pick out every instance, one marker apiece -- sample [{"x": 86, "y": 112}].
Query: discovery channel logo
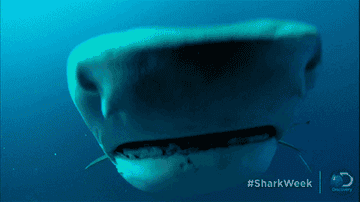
[{"x": 342, "y": 182}]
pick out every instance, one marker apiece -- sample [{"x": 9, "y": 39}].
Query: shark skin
[{"x": 144, "y": 87}]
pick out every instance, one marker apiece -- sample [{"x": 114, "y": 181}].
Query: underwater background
[{"x": 45, "y": 144}]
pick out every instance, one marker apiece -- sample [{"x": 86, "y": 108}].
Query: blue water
[{"x": 45, "y": 144}]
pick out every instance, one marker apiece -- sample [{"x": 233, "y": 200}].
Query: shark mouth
[{"x": 187, "y": 145}]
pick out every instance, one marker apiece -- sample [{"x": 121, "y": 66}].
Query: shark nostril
[{"x": 85, "y": 82}]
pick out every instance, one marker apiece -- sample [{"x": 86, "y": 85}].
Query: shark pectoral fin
[
  {"x": 298, "y": 150},
  {"x": 97, "y": 161}
]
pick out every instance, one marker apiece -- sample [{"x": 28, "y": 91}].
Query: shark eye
[
  {"x": 313, "y": 62},
  {"x": 316, "y": 59}
]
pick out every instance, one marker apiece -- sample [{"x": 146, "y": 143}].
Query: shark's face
[{"x": 193, "y": 110}]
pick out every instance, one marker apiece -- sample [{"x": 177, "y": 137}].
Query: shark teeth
[
  {"x": 156, "y": 152},
  {"x": 144, "y": 152},
  {"x": 251, "y": 139},
  {"x": 171, "y": 149}
]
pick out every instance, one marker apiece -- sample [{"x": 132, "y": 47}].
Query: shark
[{"x": 173, "y": 107}]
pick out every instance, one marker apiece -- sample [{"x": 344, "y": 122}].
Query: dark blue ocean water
[{"x": 45, "y": 144}]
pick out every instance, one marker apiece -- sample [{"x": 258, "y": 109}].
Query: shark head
[{"x": 191, "y": 110}]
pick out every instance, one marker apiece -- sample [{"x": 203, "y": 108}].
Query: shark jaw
[
  {"x": 182, "y": 166},
  {"x": 152, "y": 167},
  {"x": 198, "y": 172},
  {"x": 148, "y": 164},
  {"x": 193, "y": 144}
]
